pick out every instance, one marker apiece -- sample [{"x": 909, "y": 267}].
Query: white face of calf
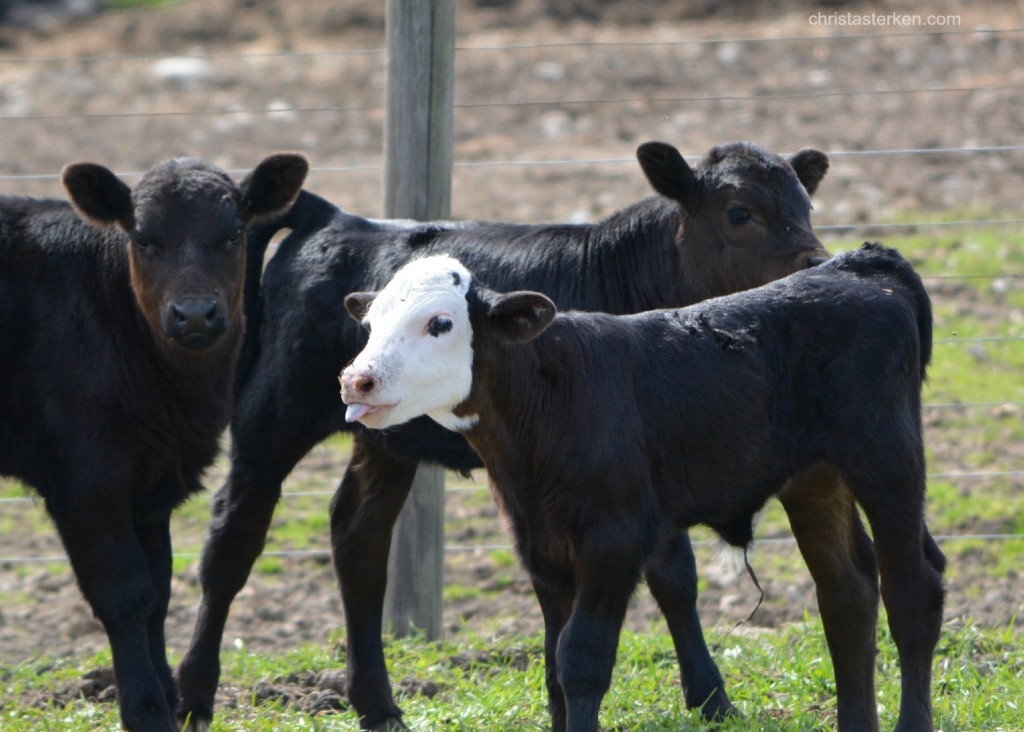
[{"x": 419, "y": 358}]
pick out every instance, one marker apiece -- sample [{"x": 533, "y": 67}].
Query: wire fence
[
  {"x": 837, "y": 229},
  {"x": 989, "y": 149},
  {"x": 561, "y": 102},
  {"x": 288, "y": 56},
  {"x": 745, "y": 40}
]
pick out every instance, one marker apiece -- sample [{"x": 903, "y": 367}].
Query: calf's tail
[
  {"x": 924, "y": 315},
  {"x": 258, "y": 236},
  {"x": 923, "y": 310},
  {"x": 892, "y": 261}
]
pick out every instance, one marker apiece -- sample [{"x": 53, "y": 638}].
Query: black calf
[{"x": 117, "y": 350}]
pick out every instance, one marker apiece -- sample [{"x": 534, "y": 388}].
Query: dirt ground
[{"x": 573, "y": 81}]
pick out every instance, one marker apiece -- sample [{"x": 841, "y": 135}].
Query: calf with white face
[
  {"x": 419, "y": 359},
  {"x": 603, "y": 434}
]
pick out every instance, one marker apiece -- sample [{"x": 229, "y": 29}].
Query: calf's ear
[
  {"x": 810, "y": 166},
  {"x": 99, "y": 196},
  {"x": 518, "y": 317},
  {"x": 274, "y": 184},
  {"x": 669, "y": 174},
  {"x": 358, "y": 303}
]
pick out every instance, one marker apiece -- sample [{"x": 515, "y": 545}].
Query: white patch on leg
[{"x": 734, "y": 558}]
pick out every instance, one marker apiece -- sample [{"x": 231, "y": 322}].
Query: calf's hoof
[
  {"x": 718, "y": 707},
  {"x": 195, "y": 725}
]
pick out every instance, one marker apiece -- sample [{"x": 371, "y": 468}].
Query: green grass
[
  {"x": 136, "y": 4},
  {"x": 454, "y": 592},
  {"x": 780, "y": 680}
]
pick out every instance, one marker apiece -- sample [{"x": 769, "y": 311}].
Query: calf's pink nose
[{"x": 356, "y": 385}]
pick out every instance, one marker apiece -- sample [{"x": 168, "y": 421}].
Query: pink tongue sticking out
[{"x": 355, "y": 411}]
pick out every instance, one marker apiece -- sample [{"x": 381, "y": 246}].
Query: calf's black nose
[
  {"x": 195, "y": 322},
  {"x": 814, "y": 261}
]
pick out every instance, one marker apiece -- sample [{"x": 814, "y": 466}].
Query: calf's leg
[
  {"x": 556, "y": 607},
  {"x": 363, "y": 513},
  {"x": 113, "y": 573},
  {"x": 911, "y": 568},
  {"x": 156, "y": 543},
  {"x": 266, "y": 446},
  {"x": 838, "y": 552},
  {"x": 607, "y": 571},
  {"x": 672, "y": 578}
]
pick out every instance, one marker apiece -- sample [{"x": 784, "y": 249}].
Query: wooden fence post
[{"x": 420, "y": 79}]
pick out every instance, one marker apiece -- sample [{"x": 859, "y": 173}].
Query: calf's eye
[
  {"x": 738, "y": 215},
  {"x": 438, "y": 325},
  {"x": 142, "y": 244}
]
